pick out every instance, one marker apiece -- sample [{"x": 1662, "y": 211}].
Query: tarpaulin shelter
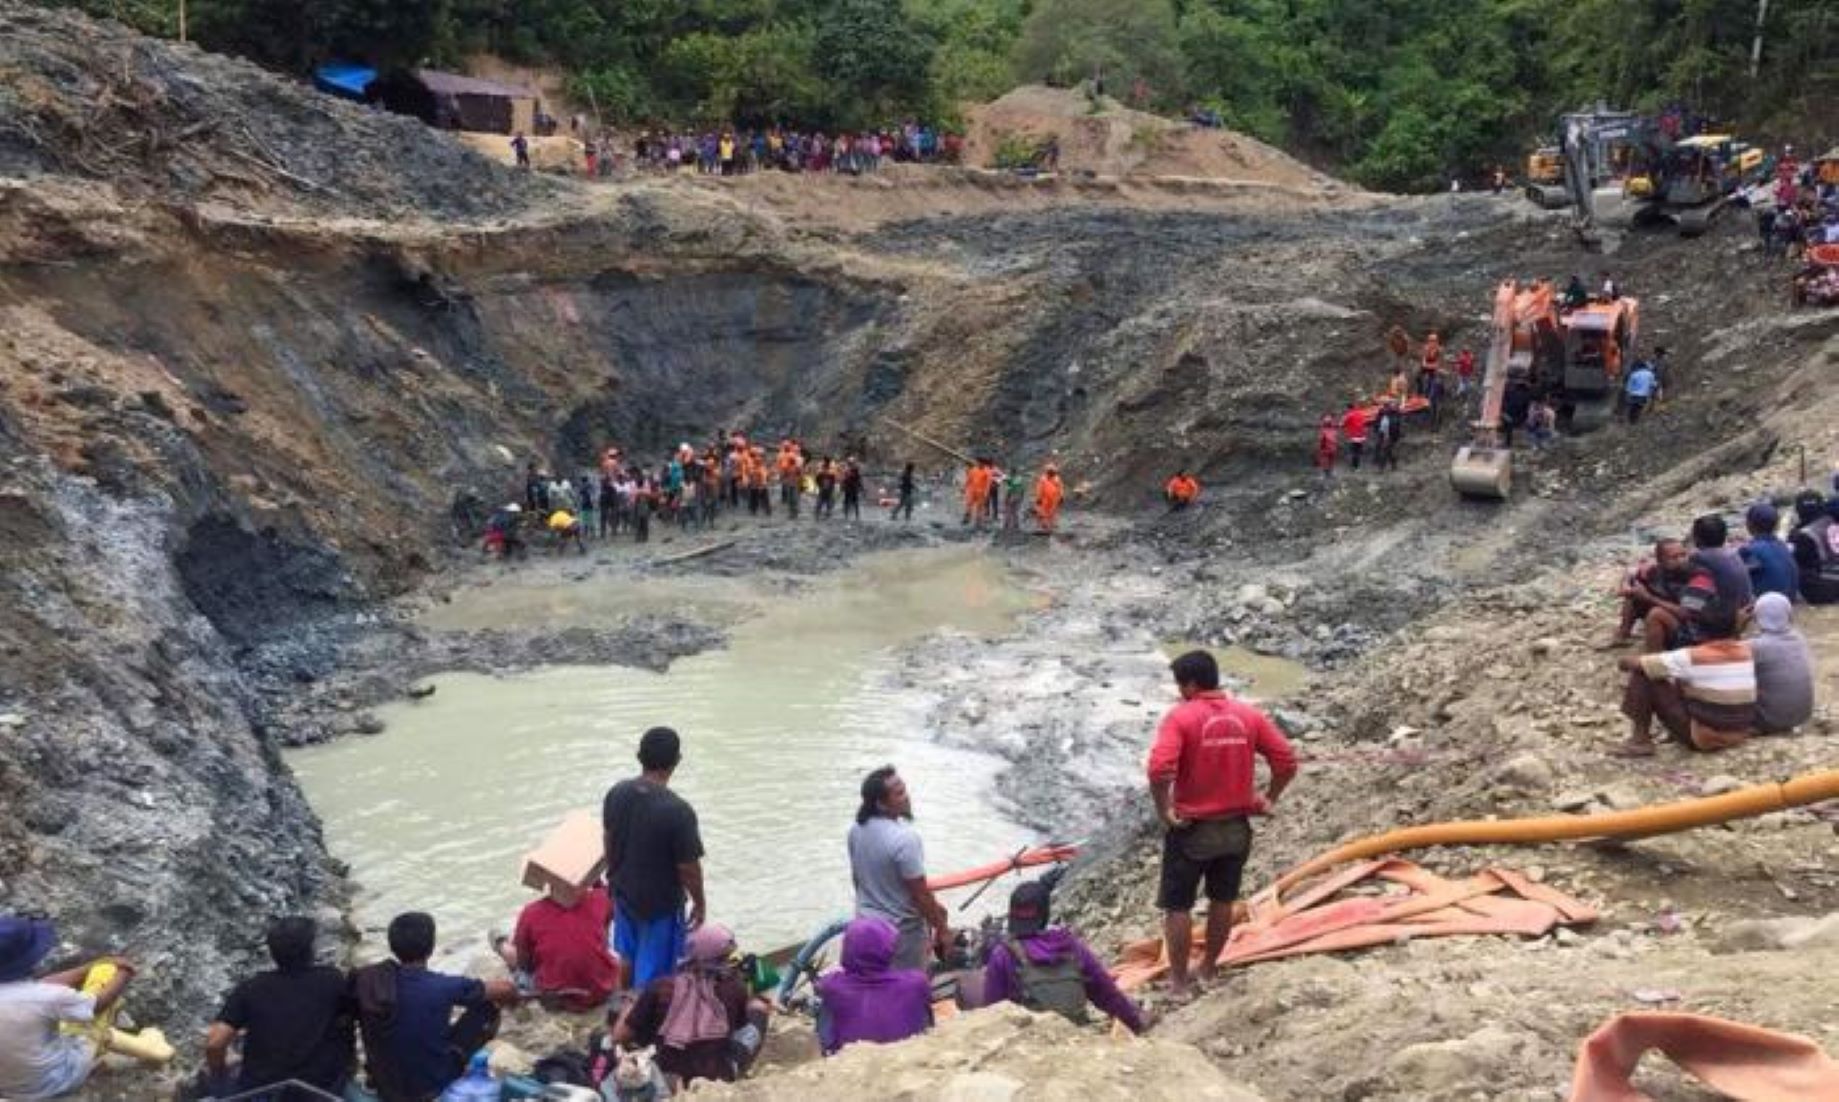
[
  {"x": 345, "y": 79},
  {"x": 455, "y": 102}
]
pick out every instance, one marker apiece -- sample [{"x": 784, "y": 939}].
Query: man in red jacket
[
  {"x": 1353, "y": 427},
  {"x": 1202, "y": 774}
]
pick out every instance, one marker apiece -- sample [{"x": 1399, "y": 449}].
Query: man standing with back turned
[
  {"x": 1201, "y": 777},
  {"x": 654, "y": 860}
]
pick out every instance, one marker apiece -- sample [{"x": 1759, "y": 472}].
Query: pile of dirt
[
  {"x": 94, "y": 100},
  {"x": 1001, "y": 1053},
  {"x": 1102, "y": 137}
]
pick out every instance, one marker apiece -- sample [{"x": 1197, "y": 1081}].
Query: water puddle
[
  {"x": 1268, "y": 676},
  {"x": 779, "y": 728}
]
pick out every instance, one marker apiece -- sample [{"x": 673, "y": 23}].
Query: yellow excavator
[{"x": 1574, "y": 354}]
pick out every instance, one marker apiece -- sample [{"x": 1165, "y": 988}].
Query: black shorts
[{"x": 1183, "y": 869}]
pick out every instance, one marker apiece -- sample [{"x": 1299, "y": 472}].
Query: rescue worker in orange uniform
[
  {"x": 977, "y": 482},
  {"x": 1048, "y": 493},
  {"x": 1181, "y": 491},
  {"x": 791, "y": 466}
]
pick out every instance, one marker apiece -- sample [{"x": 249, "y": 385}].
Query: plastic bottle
[{"x": 477, "y": 1085}]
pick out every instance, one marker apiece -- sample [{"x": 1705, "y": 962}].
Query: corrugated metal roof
[{"x": 453, "y": 84}]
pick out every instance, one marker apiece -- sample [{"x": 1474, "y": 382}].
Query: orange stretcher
[
  {"x": 1493, "y": 901},
  {"x": 1027, "y": 859},
  {"x": 1735, "y": 1059}
]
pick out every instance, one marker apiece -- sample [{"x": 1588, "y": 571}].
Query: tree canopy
[{"x": 1395, "y": 93}]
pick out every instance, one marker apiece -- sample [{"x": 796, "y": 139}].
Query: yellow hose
[{"x": 1641, "y": 822}]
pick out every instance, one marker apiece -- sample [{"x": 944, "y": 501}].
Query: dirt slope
[
  {"x": 1108, "y": 139},
  {"x": 238, "y": 398}
]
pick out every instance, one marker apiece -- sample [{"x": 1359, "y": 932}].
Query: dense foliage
[{"x": 1398, "y": 93}]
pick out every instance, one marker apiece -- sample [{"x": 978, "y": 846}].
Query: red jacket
[
  {"x": 1208, "y": 746},
  {"x": 1353, "y": 426}
]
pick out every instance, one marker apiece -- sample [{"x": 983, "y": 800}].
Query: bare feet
[{"x": 1615, "y": 643}]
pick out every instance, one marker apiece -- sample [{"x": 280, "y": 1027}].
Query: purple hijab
[{"x": 867, "y": 1000}]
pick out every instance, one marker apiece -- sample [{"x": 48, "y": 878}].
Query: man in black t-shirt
[
  {"x": 654, "y": 861},
  {"x": 296, "y": 1021}
]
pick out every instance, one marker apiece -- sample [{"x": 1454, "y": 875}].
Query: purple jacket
[
  {"x": 867, "y": 1000},
  {"x": 1002, "y": 980}
]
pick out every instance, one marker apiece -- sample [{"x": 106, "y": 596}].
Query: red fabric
[
  {"x": 1208, "y": 747},
  {"x": 1465, "y": 364},
  {"x": 1325, "y": 448},
  {"x": 1353, "y": 426},
  {"x": 565, "y": 948}
]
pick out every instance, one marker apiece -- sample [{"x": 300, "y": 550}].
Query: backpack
[{"x": 1057, "y": 987}]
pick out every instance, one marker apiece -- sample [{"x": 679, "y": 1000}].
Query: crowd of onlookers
[
  {"x": 1799, "y": 208},
  {"x": 741, "y": 151},
  {"x": 1721, "y": 660}
]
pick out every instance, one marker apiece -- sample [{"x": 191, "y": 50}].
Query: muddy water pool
[{"x": 779, "y": 727}]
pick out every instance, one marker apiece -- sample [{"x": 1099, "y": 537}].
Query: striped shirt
[{"x": 1717, "y": 681}]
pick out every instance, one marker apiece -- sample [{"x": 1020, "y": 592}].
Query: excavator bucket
[{"x": 1482, "y": 472}]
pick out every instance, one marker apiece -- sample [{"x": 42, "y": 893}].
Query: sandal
[{"x": 1632, "y": 750}]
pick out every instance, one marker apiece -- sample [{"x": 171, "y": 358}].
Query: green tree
[
  {"x": 876, "y": 59},
  {"x": 1067, "y": 41}
]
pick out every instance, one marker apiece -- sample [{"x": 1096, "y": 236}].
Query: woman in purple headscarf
[
  {"x": 867, "y": 1000},
  {"x": 700, "y": 1018}
]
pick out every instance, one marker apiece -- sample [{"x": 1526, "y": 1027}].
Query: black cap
[{"x": 1028, "y": 909}]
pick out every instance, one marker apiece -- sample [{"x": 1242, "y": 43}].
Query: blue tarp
[{"x": 344, "y": 78}]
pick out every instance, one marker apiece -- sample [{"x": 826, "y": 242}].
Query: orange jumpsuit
[
  {"x": 1047, "y": 495},
  {"x": 976, "y": 493}
]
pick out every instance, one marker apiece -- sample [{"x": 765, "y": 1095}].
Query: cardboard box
[{"x": 570, "y": 860}]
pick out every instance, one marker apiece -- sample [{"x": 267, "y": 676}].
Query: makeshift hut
[{"x": 454, "y": 102}]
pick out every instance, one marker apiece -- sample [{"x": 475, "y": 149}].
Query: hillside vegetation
[{"x": 1399, "y": 94}]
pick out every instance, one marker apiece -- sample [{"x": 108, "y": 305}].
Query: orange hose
[{"x": 1641, "y": 822}]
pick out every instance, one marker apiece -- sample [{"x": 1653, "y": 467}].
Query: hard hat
[{"x": 514, "y": 507}]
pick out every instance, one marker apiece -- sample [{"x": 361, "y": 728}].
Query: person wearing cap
[
  {"x": 37, "y": 1058},
  {"x": 1815, "y": 541},
  {"x": 701, "y": 1017},
  {"x": 1202, "y": 778},
  {"x": 1046, "y": 946},
  {"x": 1770, "y": 561}
]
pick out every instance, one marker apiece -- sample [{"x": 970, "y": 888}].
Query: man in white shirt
[{"x": 37, "y": 1059}]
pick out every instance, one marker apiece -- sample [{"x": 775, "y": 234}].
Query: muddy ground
[{"x": 237, "y": 403}]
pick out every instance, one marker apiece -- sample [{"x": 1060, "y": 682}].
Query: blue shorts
[{"x": 648, "y": 947}]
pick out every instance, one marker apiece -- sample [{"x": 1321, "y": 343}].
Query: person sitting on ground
[
  {"x": 1202, "y": 775},
  {"x": 296, "y": 1022},
  {"x": 1784, "y": 668},
  {"x": 701, "y": 1018},
  {"x": 1049, "y": 969},
  {"x": 560, "y": 946},
  {"x": 1704, "y": 694},
  {"x": 869, "y": 999},
  {"x": 1182, "y": 491},
  {"x": 413, "y": 1045},
  {"x": 1651, "y": 595},
  {"x": 38, "y": 1058},
  {"x": 1770, "y": 561},
  {"x": 1709, "y": 535},
  {"x": 1815, "y": 540}
]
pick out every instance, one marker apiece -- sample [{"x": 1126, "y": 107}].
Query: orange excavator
[{"x": 1574, "y": 355}]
